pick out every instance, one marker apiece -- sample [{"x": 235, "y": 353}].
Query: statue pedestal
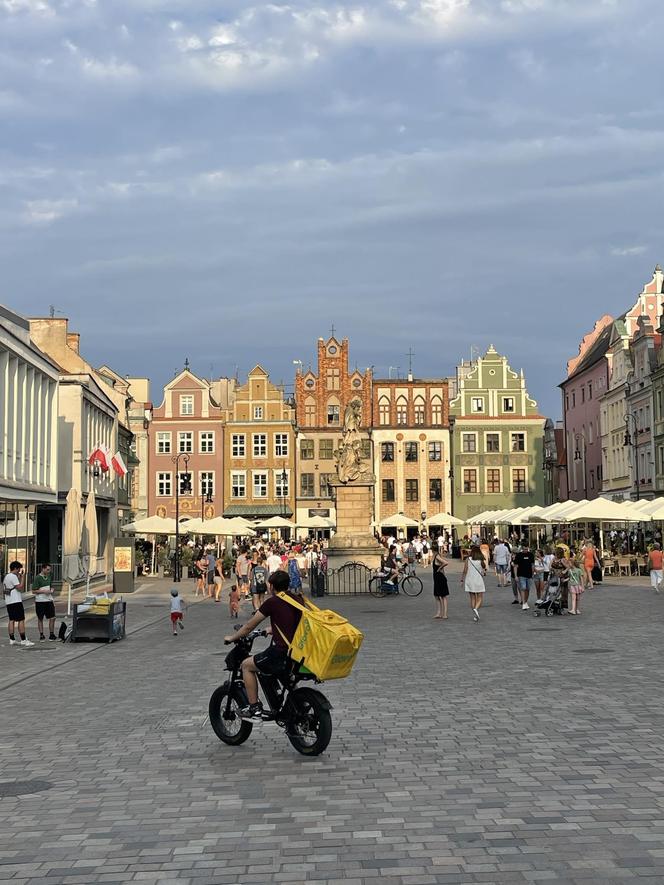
[{"x": 354, "y": 540}]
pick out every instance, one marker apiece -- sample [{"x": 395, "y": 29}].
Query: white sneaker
[
  {"x": 25, "y": 643},
  {"x": 525, "y": 607},
  {"x": 13, "y": 641},
  {"x": 476, "y": 615}
]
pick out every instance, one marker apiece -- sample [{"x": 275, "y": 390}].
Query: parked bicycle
[
  {"x": 380, "y": 586},
  {"x": 303, "y": 712}
]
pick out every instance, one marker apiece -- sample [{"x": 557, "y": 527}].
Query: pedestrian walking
[
  {"x": 234, "y": 601},
  {"x": 525, "y": 563},
  {"x": 474, "y": 570},
  {"x": 211, "y": 570},
  {"x": 501, "y": 559},
  {"x": 12, "y": 585},
  {"x": 294, "y": 573},
  {"x": 218, "y": 579},
  {"x": 177, "y": 611},
  {"x": 242, "y": 571},
  {"x": 44, "y": 605},
  {"x": 201, "y": 565},
  {"x": 576, "y": 587},
  {"x": 590, "y": 561},
  {"x": 655, "y": 565},
  {"x": 441, "y": 591},
  {"x": 540, "y": 569},
  {"x": 259, "y": 578},
  {"x": 560, "y": 569}
]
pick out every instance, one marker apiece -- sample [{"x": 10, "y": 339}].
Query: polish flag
[
  {"x": 100, "y": 455},
  {"x": 118, "y": 464}
]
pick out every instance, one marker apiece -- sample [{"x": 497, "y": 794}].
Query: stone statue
[{"x": 349, "y": 454}]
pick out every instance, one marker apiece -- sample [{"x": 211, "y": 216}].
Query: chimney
[{"x": 73, "y": 341}]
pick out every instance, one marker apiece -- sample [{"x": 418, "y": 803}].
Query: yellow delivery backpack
[{"x": 324, "y": 643}]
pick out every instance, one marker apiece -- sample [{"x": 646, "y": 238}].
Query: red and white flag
[
  {"x": 118, "y": 464},
  {"x": 101, "y": 456}
]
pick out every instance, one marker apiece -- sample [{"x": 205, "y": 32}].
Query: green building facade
[{"x": 497, "y": 439}]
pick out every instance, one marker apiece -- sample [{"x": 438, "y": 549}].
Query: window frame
[
  {"x": 506, "y": 409},
  {"x": 412, "y": 490},
  {"x": 208, "y": 477},
  {"x": 497, "y": 434},
  {"x": 471, "y": 435},
  {"x": 516, "y": 491},
  {"x": 468, "y": 471},
  {"x": 333, "y": 410},
  {"x": 259, "y": 450},
  {"x": 322, "y": 452},
  {"x": 304, "y": 493},
  {"x": 256, "y": 475},
  {"x": 238, "y": 445},
  {"x": 165, "y": 477},
  {"x": 189, "y": 399},
  {"x": 387, "y": 452},
  {"x": 307, "y": 446},
  {"x": 242, "y": 475},
  {"x": 521, "y": 433},
  {"x": 281, "y": 445},
  {"x": 259, "y": 413},
  {"x": 168, "y": 437},
  {"x": 439, "y": 485},
  {"x": 203, "y": 434},
  {"x": 183, "y": 435},
  {"x": 487, "y": 481},
  {"x": 387, "y": 484},
  {"x": 411, "y": 447},
  {"x": 279, "y": 491},
  {"x": 436, "y": 447},
  {"x": 474, "y": 400}
]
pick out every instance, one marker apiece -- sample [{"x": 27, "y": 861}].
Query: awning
[{"x": 257, "y": 511}]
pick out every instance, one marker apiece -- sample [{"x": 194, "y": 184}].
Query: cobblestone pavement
[{"x": 517, "y": 750}]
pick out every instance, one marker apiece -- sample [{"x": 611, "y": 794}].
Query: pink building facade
[{"x": 586, "y": 383}]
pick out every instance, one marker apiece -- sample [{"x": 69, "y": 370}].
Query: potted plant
[
  {"x": 186, "y": 560},
  {"x": 139, "y": 559}
]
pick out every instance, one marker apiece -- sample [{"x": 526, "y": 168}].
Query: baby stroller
[{"x": 551, "y": 602}]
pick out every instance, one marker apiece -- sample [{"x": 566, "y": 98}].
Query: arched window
[
  {"x": 310, "y": 412},
  {"x": 384, "y": 411},
  {"x": 420, "y": 411},
  {"x": 436, "y": 410},
  {"x": 402, "y": 410}
]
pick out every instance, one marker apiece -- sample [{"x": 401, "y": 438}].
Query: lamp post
[
  {"x": 633, "y": 441},
  {"x": 206, "y": 498},
  {"x": 186, "y": 488},
  {"x": 581, "y": 456}
]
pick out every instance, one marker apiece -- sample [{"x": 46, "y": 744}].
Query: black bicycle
[
  {"x": 303, "y": 712},
  {"x": 411, "y": 585}
]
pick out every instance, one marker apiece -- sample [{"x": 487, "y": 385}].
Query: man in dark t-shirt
[
  {"x": 524, "y": 562},
  {"x": 284, "y": 619}
]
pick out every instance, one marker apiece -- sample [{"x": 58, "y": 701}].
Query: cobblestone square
[{"x": 517, "y": 750}]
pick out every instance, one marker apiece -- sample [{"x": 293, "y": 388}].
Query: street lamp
[
  {"x": 634, "y": 443},
  {"x": 581, "y": 456},
  {"x": 206, "y": 498},
  {"x": 185, "y": 490}
]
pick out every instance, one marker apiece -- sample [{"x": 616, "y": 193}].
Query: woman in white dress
[{"x": 472, "y": 578}]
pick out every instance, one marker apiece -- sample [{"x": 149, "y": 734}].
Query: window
[
  {"x": 324, "y": 484},
  {"x": 258, "y": 413},
  {"x": 164, "y": 488},
  {"x": 206, "y": 442},
  {"x": 163, "y": 443},
  {"x": 412, "y": 490},
  {"x": 326, "y": 449},
  {"x": 281, "y": 483},
  {"x": 185, "y": 442},
  {"x": 207, "y": 483},
  {"x": 387, "y": 451},
  {"x": 365, "y": 449},
  {"x": 238, "y": 445},
  {"x": 402, "y": 411},
  {"x": 492, "y": 442},
  {"x": 259, "y": 445},
  {"x": 307, "y": 489},
  {"x": 384, "y": 411},
  {"x": 410, "y": 449},
  {"x": 573, "y": 399},
  {"x": 307, "y": 449},
  {"x": 468, "y": 442},
  {"x": 260, "y": 485},
  {"x": 186, "y": 485},
  {"x": 435, "y": 452},
  {"x": 332, "y": 379},
  {"x": 310, "y": 412},
  {"x": 470, "y": 481},
  {"x": 583, "y": 394},
  {"x": 508, "y": 404},
  {"x": 435, "y": 490},
  {"x": 238, "y": 484},
  {"x": 387, "y": 490},
  {"x": 518, "y": 442},
  {"x": 519, "y": 480},
  {"x": 436, "y": 410},
  {"x": 333, "y": 413},
  {"x": 567, "y": 403},
  {"x": 592, "y": 479},
  {"x": 590, "y": 390},
  {"x": 419, "y": 411},
  {"x": 187, "y": 404},
  {"x": 477, "y": 404},
  {"x": 493, "y": 481},
  {"x": 280, "y": 445}
]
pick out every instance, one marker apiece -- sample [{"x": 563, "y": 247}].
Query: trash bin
[{"x": 91, "y": 626}]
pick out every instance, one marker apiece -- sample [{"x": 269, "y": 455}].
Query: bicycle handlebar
[{"x": 253, "y": 635}]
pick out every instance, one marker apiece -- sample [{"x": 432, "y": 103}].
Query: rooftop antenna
[
  {"x": 52, "y": 310},
  {"x": 333, "y": 330},
  {"x": 410, "y": 355}
]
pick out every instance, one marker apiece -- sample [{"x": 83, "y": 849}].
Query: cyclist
[
  {"x": 389, "y": 574},
  {"x": 284, "y": 619}
]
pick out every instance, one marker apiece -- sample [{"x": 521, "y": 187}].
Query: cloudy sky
[{"x": 223, "y": 181}]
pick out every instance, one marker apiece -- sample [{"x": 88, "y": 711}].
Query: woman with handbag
[
  {"x": 474, "y": 570},
  {"x": 441, "y": 591}
]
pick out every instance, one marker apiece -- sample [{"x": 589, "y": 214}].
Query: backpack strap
[{"x": 298, "y": 605}]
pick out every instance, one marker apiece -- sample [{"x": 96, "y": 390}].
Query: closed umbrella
[
  {"x": 71, "y": 567},
  {"x": 90, "y": 534}
]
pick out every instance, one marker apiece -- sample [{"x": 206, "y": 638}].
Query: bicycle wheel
[
  {"x": 310, "y": 727},
  {"x": 232, "y": 730},
  {"x": 412, "y": 585},
  {"x": 376, "y": 587}
]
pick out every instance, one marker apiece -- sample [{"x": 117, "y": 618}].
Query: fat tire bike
[{"x": 302, "y": 711}]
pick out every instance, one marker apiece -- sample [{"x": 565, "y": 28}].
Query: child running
[{"x": 177, "y": 611}]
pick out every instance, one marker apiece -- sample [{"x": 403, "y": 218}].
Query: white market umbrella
[
  {"x": 602, "y": 510},
  {"x": 316, "y": 522},
  {"x": 399, "y": 520},
  {"x": 276, "y": 522},
  {"x": 151, "y": 525},
  {"x": 220, "y": 525},
  {"x": 90, "y": 533},
  {"x": 557, "y": 512},
  {"x": 443, "y": 519}
]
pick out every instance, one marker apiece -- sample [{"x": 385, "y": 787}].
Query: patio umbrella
[
  {"x": 151, "y": 525},
  {"x": 71, "y": 541},
  {"x": 602, "y": 510},
  {"x": 90, "y": 534},
  {"x": 400, "y": 520},
  {"x": 316, "y": 522},
  {"x": 443, "y": 519},
  {"x": 276, "y": 522}
]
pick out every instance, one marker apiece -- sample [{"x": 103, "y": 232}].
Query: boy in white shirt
[
  {"x": 11, "y": 586},
  {"x": 177, "y": 611}
]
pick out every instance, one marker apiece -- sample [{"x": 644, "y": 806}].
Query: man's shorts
[
  {"x": 273, "y": 661},
  {"x": 526, "y": 583},
  {"x": 15, "y": 611},
  {"x": 210, "y": 576},
  {"x": 176, "y": 616},
  {"x": 501, "y": 568},
  {"x": 45, "y": 609},
  {"x": 257, "y": 589},
  {"x": 243, "y": 579}
]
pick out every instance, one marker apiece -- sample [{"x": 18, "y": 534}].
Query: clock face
[
  {"x": 332, "y": 349},
  {"x": 309, "y": 382},
  {"x": 357, "y": 382}
]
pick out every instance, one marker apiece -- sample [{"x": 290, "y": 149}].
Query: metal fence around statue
[{"x": 352, "y": 579}]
